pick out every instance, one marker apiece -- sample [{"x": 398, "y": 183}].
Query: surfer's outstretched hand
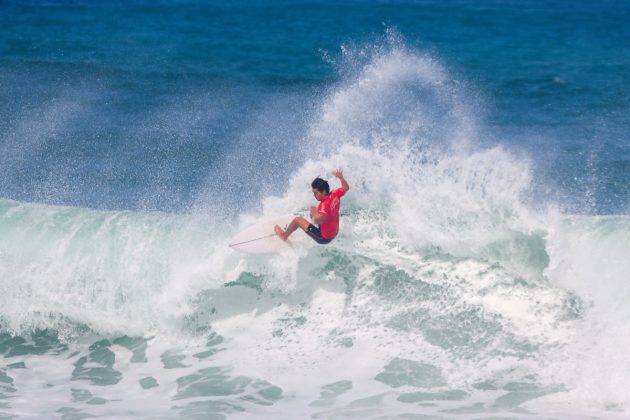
[{"x": 344, "y": 184}]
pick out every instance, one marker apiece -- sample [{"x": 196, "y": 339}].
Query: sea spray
[{"x": 444, "y": 287}]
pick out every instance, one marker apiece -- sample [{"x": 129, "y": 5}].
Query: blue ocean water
[{"x": 482, "y": 265}]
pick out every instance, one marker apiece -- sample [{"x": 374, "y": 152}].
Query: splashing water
[{"x": 445, "y": 293}]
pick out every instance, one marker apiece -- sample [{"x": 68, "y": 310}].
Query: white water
[{"x": 442, "y": 280}]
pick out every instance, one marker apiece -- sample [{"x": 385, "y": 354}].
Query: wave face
[
  {"x": 105, "y": 270},
  {"x": 451, "y": 289}
]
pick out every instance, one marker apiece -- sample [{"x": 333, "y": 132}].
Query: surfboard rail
[{"x": 260, "y": 237}]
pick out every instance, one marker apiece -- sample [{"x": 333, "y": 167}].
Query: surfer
[{"x": 324, "y": 223}]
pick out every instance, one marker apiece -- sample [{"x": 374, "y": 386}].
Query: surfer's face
[{"x": 319, "y": 195}]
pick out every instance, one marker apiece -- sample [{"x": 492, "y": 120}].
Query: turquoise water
[{"x": 481, "y": 267}]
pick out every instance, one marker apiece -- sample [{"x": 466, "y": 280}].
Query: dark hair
[{"x": 320, "y": 185}]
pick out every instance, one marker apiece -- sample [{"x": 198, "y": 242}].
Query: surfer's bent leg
[{"x": 295, "y": 223}]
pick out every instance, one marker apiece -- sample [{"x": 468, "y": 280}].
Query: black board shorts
[{"x": 313, "y": 232}]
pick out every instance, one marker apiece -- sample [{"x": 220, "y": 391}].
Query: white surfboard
[{"x": 261, "y": 238}]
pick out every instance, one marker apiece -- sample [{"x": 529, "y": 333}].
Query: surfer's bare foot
[{"x": 281, "y": 233}]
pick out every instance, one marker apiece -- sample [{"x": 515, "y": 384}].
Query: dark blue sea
[{"x": 483, "y": 262}]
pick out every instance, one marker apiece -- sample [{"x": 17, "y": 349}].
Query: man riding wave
[{"x": 324, "y": 224}]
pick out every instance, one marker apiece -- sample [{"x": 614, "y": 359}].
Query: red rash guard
[{"x": 329, "y": 207}]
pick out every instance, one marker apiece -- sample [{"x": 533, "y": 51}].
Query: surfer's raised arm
[{"x": 344, "y": 184}]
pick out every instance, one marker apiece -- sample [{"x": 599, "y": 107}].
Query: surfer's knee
[{"x": 302, "y": 222}]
